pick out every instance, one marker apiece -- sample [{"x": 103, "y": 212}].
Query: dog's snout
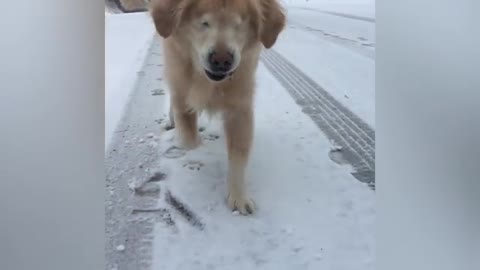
[{"x": 220, "y": 61}]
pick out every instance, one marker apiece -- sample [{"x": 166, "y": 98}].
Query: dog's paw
[{"x": 241, "y": 203}]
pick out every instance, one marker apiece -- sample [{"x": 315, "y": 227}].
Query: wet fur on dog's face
[{"x": 218, "y": 32}]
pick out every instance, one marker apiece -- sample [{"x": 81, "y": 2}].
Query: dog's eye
[{"x": 205, "y": 24}]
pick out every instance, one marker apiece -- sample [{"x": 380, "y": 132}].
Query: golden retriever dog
[{"x": 211, "y": 50}]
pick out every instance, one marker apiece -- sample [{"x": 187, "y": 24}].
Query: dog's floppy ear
[
  {"x": 273, "y": 22},
  {"x": 165, "y": 15}
]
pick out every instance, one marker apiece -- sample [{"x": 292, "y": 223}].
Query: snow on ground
[
  {"x": 127, "y": 38},
  {"x": 337, "y": 52},
  {"x": 312, "y": 213},
  {"x": 356, "y": 30},
  {"x": 345, "y": 74},
  {"x": 364, "y": 8}
]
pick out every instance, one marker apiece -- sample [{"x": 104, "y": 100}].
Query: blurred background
[{"x": 125, "y": 6}]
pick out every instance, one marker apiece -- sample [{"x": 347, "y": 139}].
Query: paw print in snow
[
  {"x": 174, "y": 152},
  {"x": 193, "y": 165},
  {"x": 211, "y": 137},
  {"x": 157, "y": 92}
]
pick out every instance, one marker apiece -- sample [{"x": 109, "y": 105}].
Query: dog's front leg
[
  {"x": 185, "y": 123},
  {"x": 239, "y": 132}
]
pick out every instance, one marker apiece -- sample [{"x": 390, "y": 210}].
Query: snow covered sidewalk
[
  {"x": 312, "y": 213},
  {"x": 166, "y": 207}
]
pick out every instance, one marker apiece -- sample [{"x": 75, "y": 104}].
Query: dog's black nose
[{"x": 220, "y": 61}]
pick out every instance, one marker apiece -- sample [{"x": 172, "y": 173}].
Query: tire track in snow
[
  {"x": 343, "y": 127},
  {"x": 360, "y": 46},
  {"x": 339, "y": 14},
  {"x": 350, "y": 16}
]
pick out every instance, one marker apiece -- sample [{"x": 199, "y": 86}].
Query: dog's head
[{"x": 219, "y": 32}]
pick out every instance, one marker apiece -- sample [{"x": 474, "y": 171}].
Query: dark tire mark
[
  {"x": 162, "y": 214},
  {"x": 154, "y": 210},
  {"x": 148, "y": 189},
  {"x": 157, "y": 177},
  {"x": 188, "y": 214}
]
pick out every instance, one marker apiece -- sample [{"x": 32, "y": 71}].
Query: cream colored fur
[{"x": 192, "y": 28}]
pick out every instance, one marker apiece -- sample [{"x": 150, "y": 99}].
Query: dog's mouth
[{"x": 218, "y": 76}]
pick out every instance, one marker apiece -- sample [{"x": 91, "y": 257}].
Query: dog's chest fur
[{"x": 204, "y": 95}]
